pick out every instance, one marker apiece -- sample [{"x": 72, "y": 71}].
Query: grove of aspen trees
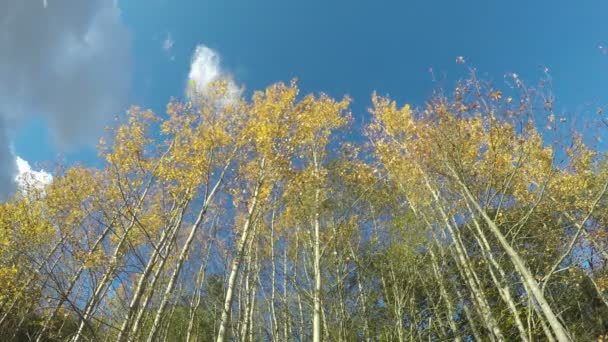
[{"x": 479, "y": 215}]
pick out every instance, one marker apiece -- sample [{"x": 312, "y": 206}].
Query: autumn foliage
[{"x": 479, "y": 216}]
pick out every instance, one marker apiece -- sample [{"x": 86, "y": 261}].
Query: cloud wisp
[
  {"x": 205, "y": 68},
  {"x": 167, "y": 46},
  {"x": 168, "y": 43},
  {"x": 27, "y": 177}
]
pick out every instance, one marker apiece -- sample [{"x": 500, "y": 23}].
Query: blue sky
[
  {"x": 355, "y": 47},
  {"x": 348, "y": 47}
]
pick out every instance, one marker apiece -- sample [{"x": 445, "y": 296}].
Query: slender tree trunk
[
  {"x": 467, "y": 272},
  {"x": 560, "y": 332},
  {"x": 101, "y": 287},
  {"x": 444, "y": 296},
  {"x": 469, "y": 315},
  {"x": 462, "y": 258},
  {"x": 366, "y": 335},
  {"x": 286, "y": 319},
  {"x": 236, "y": 264},
  {"x": 65, "y": 294},
  {"x": 339, "y": 267},
  {"x": 247, "y": 276},
  {"x": 301, "y": 325},
  {"x": 184, "y": 253},
  {"x": 151, "y": 286},
  {"x": 253, "y": 300},
  {"x": 178, "y": 267},
  {"x": 165, "y": 240},
  {"x": 273, "y": 277},
  {"x": 196, "y": 297},
  {"x": 316, "y": 322},
  {"x": 164, "y": 330},
  {"x": 502, "y": 287}
]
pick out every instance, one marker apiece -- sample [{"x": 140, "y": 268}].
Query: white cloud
[
  {"x": 67, "y": 61},
  {"x": 168, "y": 43},
  {"x": 27, "y": 178},
  {"x": 205, "y": 68}
]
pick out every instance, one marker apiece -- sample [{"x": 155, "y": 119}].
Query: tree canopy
[{"x": 480, "y": 216}]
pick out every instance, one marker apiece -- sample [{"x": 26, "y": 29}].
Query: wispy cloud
[
  {"x": 205, "y": 68},
  {"x": 27, "y": 177},
  {"x": 168, "y": 43},
  {"x": 67, "y": 61}
]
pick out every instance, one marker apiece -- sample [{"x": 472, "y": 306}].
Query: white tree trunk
[{"x": 236, "y": 264}]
